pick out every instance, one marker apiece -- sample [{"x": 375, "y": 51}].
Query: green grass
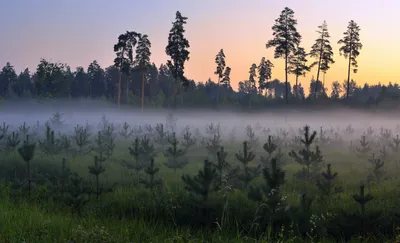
[{"x": 133, "y": 214}]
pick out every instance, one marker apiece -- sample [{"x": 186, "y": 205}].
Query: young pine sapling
[
  {"x": 326, "y": 185},
  {"x": 126, "y": 131},
  {"x": 310, "y": 159},
  {"x": 203, "y": 183},
  {"x": 245, "y": 156},
  {"x": 152, "y": 182},
  {"x": 82, "y": 140},
  {"x": 27, "y": 152},
  {"x": 97, "y": 169},
  {"x": 188, "y": 139},
  {"x": 175, "y": 155}
]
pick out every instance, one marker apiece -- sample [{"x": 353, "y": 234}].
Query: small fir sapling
[
  {"x": 378, "y": 171},
  {"x": 311, "y": 160},
  {"x": 4, "y": 129},
  {"x": 203, "y": 183},
  {"x": 270, "y": 147},
  {"x": 322, "y": 139},
  {"x": 395, "y": 144},
  {"x": 385, "y": 135},
  {"x": 148, "y": 149},
  {"x": 149, "y": 130},
  {"x": 27, "y": 152},
  {"x": 326, "y": 185},
  {"x": 24, "y": 129},
  {"x": 61, "y": 180},
  {"x": 50, "y": 145},
  {"x": 82, "y": 140},
  {"x": 362, "y": 199},
  {"x": 221, "y": 165},
  {"x": 126, "y": 131},
  {"x": 245, "y": 156},
  {"x": 57, "y": 119},
  {"x": 269, "y": 193},
  {"x": 189, "y": 140},
  {"x": 349, "y": 130},
  {"x": 284, "y": 134},
  {"x": 108, "y": 137},
  {"x": 12, "y": 141},
  {"x": 252, "y": 139},
  {"x": 303, "y": 215},
  {"x": 383, "y": 154},
  {"x": 370, "y": 131},
  {"x": 138, "y": 131},
  {"x": 152, "y": 182},
  {"x": 161, "y": 137},
  {"x": 174, "y": 154},
  {"x": 97, "y": 169},
  {"x": 76, "y": 196},
  {"x": 213, "y": 129},
  {"x": 135, "y": 150},
  {"x": 65, "y": 143},
  {"x": 213, "y": 144}
]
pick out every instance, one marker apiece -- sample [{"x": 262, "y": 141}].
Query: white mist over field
[{"x": 91, "y": 113}]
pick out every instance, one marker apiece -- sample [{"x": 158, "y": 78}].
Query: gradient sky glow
[{"x": 78, "y": 32}]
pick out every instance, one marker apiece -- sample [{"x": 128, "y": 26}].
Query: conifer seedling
[
  {"x": 12, "y": 141},
  {"x": 82, "y": 140},
  {"x": 152, "y": 182},
  {"x": 203, "y": 183},
  {"x": 175, "y": 155},
  {"x": 245, "y": 156},
  {"x": 97, "y": 169},
  {"x": 27, "y": 152}
]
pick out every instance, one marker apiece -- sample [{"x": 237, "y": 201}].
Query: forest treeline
[{"x": 134, "y": 80}]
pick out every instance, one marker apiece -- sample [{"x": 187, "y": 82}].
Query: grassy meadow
[{"x": 123, "y": 182}]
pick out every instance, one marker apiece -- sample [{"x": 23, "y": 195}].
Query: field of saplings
[{"x": 164, "y": 181}]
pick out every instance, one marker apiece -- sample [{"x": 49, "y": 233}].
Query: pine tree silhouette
[
  {"x": 245, "y": 156},
  {"x": 175, "y": 155},
  {"x": 311, "y": 160},
  {"x": 138, "y": 164},
  {"x": 27, "y": 152},
  {"x": 152, "y": 182},
  {"x": 327, "y": 184},
  {"x": 97, "y": 169},
  {"x": 82, "y": 140},
  {"x": 203, "y": 183},
  {"x": 12, "y": 141},
  {"x": 270, "y": 147},
  {"x": 222, "y": 165}
]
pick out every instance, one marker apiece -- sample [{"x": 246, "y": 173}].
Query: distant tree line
[{"x": 134, "y": 80}]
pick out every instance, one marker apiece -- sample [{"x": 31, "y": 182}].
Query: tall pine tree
[
  {"x": 177, "y": 50},
  {"x": 298, "y": 66},
  {"x": 350, "y": 48},
  {"x": 142, "y": 60},
  {"x": 286, "y": 39},
  {"x": 321, "y": 50},
  {"x": 220, "y": 61}
]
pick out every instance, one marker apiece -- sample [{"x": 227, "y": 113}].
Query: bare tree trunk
[
  {"x": 319, "y": 68},
  {"x": 218, "y": 91},
  {"x": 297, "y": 86},
  {"x": 127, "y": 90},
  {"x": 119, "y": 88},
  {"x": 142, "y": 90},
  {"x": 286, "y": 78},
  {"x": 348, "y": 77}
]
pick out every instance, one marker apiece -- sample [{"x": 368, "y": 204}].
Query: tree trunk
[
  {"x": 142, "y": 90},
  {"x": 348, "y": 77},
  {"x": 286, "y": 78},
  {"x": 127, "y": 90},
  {"x": 316, "y": 81},
  {"x": 119, "y": 88},
  {"x": 217, "y": 92},
  {"x": 297, "y": 86}
]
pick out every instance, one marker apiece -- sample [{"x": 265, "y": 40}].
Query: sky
[{"x": 78, "y": 32}]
